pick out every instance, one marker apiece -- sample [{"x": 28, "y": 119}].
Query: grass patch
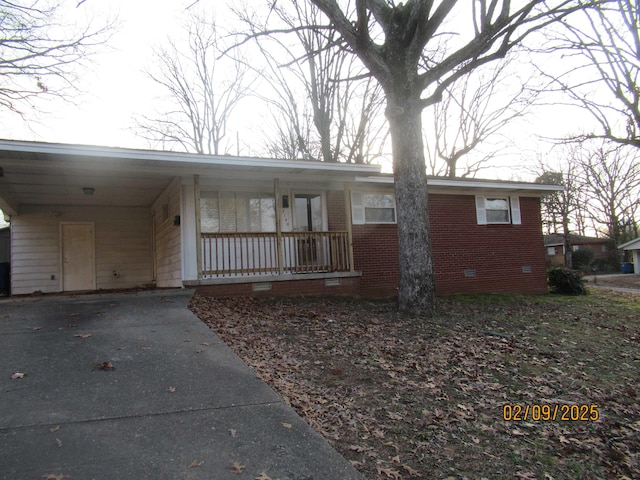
[{"x": 403, "y": 398}]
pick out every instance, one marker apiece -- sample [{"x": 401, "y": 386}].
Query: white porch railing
[{"x": 253, "y": 253}]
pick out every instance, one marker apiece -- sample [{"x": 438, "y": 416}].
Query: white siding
[
  {"x": 123, "y": 245},
  {"x": 167, "y": 237}
]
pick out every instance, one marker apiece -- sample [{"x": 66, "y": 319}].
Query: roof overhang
[
  {"x": 34, "y": 173},
  {"x": 472, "y": 186},
  {"x": 631, "y": 245}
]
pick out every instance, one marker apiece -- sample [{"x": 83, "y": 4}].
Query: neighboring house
[
  {"x": 555, "y": 250},
  {"x": 634, "y": 247},
  {"x": 92, "y": 218}
]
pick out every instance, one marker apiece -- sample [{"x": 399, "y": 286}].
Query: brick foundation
[{"x": 349, "y": 286}]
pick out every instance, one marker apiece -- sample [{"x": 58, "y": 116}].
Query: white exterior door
[{"x": 77, "y": 242}]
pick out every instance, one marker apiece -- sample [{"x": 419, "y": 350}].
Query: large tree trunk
[{"x": 416, "y": 288}]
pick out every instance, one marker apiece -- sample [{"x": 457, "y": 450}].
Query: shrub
[{"x": 563, "y": 281}]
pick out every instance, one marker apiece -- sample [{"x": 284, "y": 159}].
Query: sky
[{"x": 116, "y": 89}]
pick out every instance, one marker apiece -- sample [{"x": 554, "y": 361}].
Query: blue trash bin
[{"x": 626, "y": 267}]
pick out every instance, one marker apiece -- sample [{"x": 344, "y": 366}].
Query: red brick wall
[
  {"x": 375, "y": 250},
  {"x": 335, "y": 210},
  {"x": 497, "y": 253}
]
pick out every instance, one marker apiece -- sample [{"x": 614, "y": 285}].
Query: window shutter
[
  {"x": 357, "y": 208},
  {"x": 515, "y": 211},
  {"x": 481, "y": 211}
]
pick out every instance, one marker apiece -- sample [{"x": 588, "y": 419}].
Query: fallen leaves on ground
[
  {"x": 196, "y": 464},
  {"x": 237, "y": 467},
  {"x": 53, "y": 476},
  {"x": 18, "y": 375},
  {"x": 83, "y": 335},
  {"x": 405, "y": 397},
  {"x": 106, "y": 366}
]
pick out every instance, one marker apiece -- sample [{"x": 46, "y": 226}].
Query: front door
[
  {"x": 78, "y": 256},
  {"x": 308, "y": 211},
  {"x": 308, "y": 218}
]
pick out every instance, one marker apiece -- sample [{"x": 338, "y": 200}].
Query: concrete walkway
[
  {"x": 179, "y": 404},
  {"x": 616, "y": 282},
  {"x": 614, "y": 288}
]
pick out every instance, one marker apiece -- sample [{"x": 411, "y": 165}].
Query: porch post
[
  {"x": 196, "y": 195},
  {"x": 347, "y": 218},
  {"x": 276, "y": 190}
]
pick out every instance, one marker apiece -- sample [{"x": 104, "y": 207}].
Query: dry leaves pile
[{"x": 406, "y": 398}]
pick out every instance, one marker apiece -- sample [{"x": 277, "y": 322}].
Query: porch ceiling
[
  {"x": 33, "y": 173},
  {"x": 41, "y": 181}
]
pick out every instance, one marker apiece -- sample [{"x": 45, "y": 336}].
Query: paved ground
[
  {"x": 178, "y": 404},
  {"x": 628, "y": 283}
]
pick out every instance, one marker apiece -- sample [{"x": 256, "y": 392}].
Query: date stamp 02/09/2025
[{"x": 550, "y": 412}]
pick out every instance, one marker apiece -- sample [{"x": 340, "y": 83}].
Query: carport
[{"x": 633, "y": 246}]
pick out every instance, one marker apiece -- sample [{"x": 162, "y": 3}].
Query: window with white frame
[
  {"x": 373, "y": 207},
  {"x": 498, "y": 210},
  {"x": 237, "y": 212}
]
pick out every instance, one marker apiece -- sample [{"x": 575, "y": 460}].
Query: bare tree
[
  {"x": 603, "y": 45},
  {"x": 365, "y": 135},
  {"x": 562, "y": 210},
  {"x": 313, "y": 84},
  {"x": 610, "y": 180},
  {"x": 40, "y": 52},
  {"x": 202, "y": 88},
  {"x": 416, "y": 51},
  {"x": 472, "y": 112}
]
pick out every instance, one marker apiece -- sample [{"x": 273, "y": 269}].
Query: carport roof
[
  {"x": 35, "y": 173},
  {"x": 631, "y": 245}
]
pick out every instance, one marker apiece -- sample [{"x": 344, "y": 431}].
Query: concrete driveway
[{"x": 178, "y": 404}]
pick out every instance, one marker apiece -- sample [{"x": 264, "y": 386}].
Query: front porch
[{"x": 258, "y": 234}]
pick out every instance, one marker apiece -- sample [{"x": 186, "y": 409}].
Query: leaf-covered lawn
[{"x": 408, "y": 398}]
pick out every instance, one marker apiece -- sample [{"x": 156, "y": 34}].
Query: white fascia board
[
  {"x": 631, "y": 245},
  {"x": 473, "y": 184},
  {"x": 179, "y": 157},
  {"x": 494, "y": 185}
]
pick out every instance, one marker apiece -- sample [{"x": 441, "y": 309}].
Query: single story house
[
  {"x": 633, "y": 246},
  {"x": 90, "y": 218},
  {"x": 555, "y": 249}
]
